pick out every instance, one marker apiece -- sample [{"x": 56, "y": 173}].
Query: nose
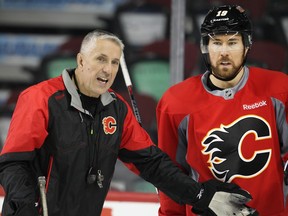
[
  {"x": 224, "y": 50},
  {"x": 107, "y": 68}
]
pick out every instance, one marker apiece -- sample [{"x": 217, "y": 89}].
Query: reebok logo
[{"x": 254, "y": 105}]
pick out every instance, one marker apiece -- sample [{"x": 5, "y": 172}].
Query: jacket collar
[{"x": 106, "y": 98}]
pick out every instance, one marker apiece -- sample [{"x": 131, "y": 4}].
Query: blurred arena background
[{"x": 39, "y": 38}]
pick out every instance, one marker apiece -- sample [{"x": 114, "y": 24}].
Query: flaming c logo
[
  {"x": 224, "y": 147},
  {"x": 109, "y": 125}
]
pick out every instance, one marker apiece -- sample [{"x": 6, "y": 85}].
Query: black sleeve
[
  {"x": 157, "y": 168},
  {"x": 19, "y": 185}
]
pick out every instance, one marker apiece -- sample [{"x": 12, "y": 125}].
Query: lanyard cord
[{"x": 94, "y": 172}]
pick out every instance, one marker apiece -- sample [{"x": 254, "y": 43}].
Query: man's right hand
[{"x": 222, "y": 199}]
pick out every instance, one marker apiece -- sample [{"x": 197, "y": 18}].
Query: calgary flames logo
[
  {"x": 224, "y": 146},
  {"x": 109, "y": 125}
]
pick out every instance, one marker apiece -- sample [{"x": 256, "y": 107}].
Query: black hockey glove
[{"x": 222, "y": 199}]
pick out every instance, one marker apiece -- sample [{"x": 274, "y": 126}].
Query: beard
[{"x": 225, "y": 72}]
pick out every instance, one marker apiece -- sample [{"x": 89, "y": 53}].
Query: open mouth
[
  {"x": 104, "y": 80},
  {"x": 225, "y": 63}
]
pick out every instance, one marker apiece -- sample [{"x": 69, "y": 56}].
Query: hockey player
[{"x": 230, "y": 123}]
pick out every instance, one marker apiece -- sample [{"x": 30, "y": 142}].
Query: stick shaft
[
  {"x": 42, "y": 185},
  {"x": 125, "y": 71},
  {"x": 130, "y": 88},
  {"x": 130, "y": 91}
]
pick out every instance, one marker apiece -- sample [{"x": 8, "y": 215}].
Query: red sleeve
[
  {"x": 168, "y": 207},
  {"x": 134, "y": 137},
  {"x": 167, "y": 132},
  {"x": 28, "y": 127}
]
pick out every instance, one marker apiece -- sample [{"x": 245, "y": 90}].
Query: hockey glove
[{"x": 222, "y": 199}]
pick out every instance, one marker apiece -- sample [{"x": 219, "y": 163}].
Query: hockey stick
[
  {"x": 130, "y": 88},
  {"x": 42, "y": 185},
  {"x": 130, "y": 91}
]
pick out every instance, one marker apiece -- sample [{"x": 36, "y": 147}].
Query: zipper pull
[
  {"x": 100, "y": 179},
  {"x": 91, "y": 128}
]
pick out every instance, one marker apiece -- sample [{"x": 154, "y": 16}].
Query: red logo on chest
[{"x": 109, "y": 125}]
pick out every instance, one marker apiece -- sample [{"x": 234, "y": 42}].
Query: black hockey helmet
[{"x": 227, "y": 19}]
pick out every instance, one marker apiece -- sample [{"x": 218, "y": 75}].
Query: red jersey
[{"x": 235, "y": 135}]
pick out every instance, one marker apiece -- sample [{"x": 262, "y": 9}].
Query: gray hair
[{"x": 91, "y": 38}]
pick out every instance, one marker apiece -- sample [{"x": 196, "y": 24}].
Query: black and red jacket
[{"x": 52, "y": 135}]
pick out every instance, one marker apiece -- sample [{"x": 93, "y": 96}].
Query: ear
[{"x": 80, "y": 60}]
